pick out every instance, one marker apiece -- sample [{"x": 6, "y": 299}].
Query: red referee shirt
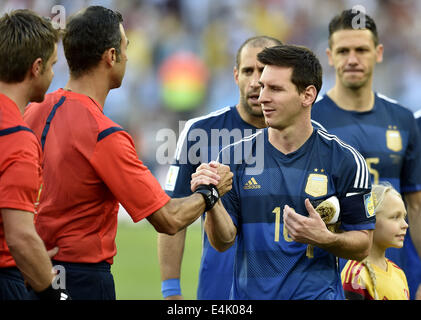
[
  {"x": 20, "y": 170},
  {"x": 90, "y": 165}
]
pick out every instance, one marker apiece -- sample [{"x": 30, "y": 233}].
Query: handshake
[{"x": 212, "y": 180}]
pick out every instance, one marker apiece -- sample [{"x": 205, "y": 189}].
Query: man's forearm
[
  {"x": 178, "y": 214},
  {"x": 34, "y": 263},
  {"x": 170, "y": 254},
  {"x": 27, "y": 248},
  {"x": 219, "y": 227},
  {"x": 352, "y": 245}
]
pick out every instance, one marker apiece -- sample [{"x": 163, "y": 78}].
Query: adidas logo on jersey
[{"x": 252, "y": 184}]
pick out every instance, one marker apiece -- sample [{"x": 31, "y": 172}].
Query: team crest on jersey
[
  {"x": 393, "y": 139},
  {"x": 369, "y": 205},
  {"x": 252, "y": 184},
  {"x": 316, "y": 185}
]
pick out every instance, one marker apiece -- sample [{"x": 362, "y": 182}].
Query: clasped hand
[{"x": 213, "y": 173}]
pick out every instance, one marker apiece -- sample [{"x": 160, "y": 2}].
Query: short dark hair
[
  {"x": 306, "y": 67},
  {"x": 256, "y": 42},
  {"x": 24, "y": 37},
  {"x": 88, "y": 34},
  {"x": 345, "y": 21}
]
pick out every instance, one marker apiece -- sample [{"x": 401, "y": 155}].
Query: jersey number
[
  {"x": 277, "y": 212},
  {"x": 374, "y": 172}
]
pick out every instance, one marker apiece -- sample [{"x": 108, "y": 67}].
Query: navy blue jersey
[
  {"x": 268, "y": 264},
  {"x": 388, "y": 138},
  {"x": 200, "y": 142},
  {"x": 417, "y": 116}
]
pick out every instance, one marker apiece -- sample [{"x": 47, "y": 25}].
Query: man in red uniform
[
  {"x": 90, "y": 163},
  {"x": 28, "y": 50}
]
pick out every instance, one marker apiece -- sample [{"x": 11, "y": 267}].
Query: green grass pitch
[{"x": 136, "y": 268}]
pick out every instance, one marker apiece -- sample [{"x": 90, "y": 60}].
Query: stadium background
[{"x": 181, "y": 57}]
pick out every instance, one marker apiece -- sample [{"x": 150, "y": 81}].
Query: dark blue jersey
[
  {"x": 200, "y": 142},
  {"x": 417, "y": 116},
  {"x": 268, "y": 264},
  {"x": 388, "y": 138}
]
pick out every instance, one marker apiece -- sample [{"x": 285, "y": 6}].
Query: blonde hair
[
  {"x": 372, "y": 275},
  {"x": 378, "y": 192}
]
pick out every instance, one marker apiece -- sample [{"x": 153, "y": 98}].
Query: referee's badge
[
  {"x": 316, "y": 185},
  {"x": 369, "y": 205},
  {"x": 393, "y": 139}
]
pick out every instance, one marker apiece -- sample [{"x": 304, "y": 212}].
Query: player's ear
[
  {"x": 236, "y": 74},
  {"x": 308, "y": 96},
  {"x": 36, "y": 68},
  {"x": 110, "y": 56},
  {"x": 379, "y": 53},
  {"x": 329, "y": 56}
]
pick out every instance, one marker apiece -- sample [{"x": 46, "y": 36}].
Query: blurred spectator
[{"x": 211, "y": 30}]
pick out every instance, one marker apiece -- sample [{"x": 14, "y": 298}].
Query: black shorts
[
  {"x": 86, "y": 281},
  {"x": 12, "y": 286}
]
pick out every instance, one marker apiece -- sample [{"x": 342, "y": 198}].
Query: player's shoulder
[
  {"x": 344, "y": 158},
  {"x": 393, "y": 105},
  {"x": 336, "y": 144},
  {"x": 12, "y": 125},
  {"x": 9, "y": 114},
  {"x": 210, "y": 120}
]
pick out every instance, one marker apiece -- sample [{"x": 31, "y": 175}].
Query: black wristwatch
[{"x": 210, "y": 194}]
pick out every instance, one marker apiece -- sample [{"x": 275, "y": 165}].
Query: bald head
[{"x": 256, "y": 42}]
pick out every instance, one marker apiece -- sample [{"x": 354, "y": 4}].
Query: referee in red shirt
[
  {"x": 90, "y": 163},
  {"x": 28, "y": 50}
]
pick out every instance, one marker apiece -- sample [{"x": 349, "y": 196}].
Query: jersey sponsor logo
[
  {"x": 369, "y": 205},
  {"x": 252, "y": 184},
  {"x": 171, "y": 178},
  {"x": 393, "y": 139},
  {"x": 316, "y": 185}
]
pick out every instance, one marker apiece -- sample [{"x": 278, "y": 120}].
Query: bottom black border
[{"x": 187, "y": 309}]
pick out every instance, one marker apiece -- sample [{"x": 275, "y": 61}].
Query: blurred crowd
[{"x": 182, "y": 53}]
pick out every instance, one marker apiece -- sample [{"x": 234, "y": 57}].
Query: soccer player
[
  {"x": 222, "y": 128},
  {"x": 376, "y": 277},
  {"x": 384, "y": 132},
  {"x": 274, "y": 221},
  {"x": 28, "y": 50},
  {"x": 90, "y": 163}
]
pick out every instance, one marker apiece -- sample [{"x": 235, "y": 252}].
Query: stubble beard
[{"x": 250, "y": 110}]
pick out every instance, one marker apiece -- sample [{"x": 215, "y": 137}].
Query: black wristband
[
  {"x": 210, "y": 194},
  {"x": 53, "y": 294}
]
